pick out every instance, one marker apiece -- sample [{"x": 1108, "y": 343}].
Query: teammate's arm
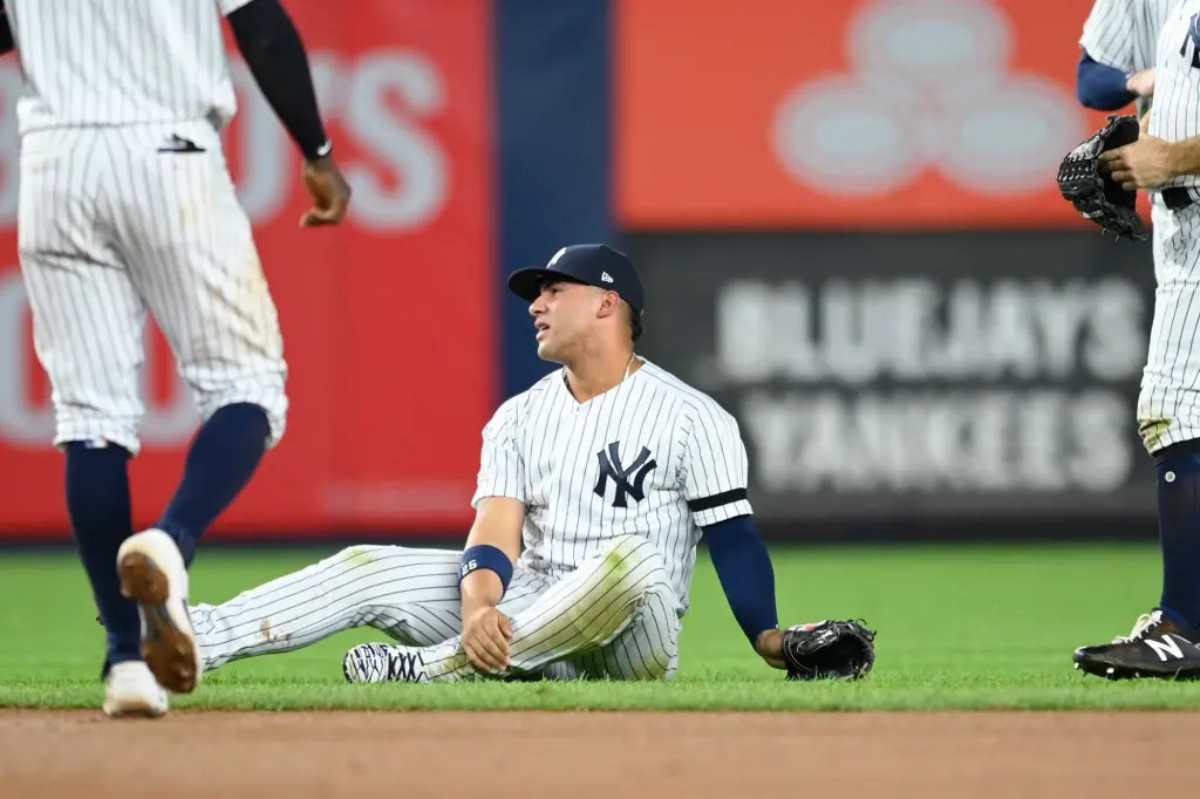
[
  {"x": 1151, "y": 162},
  {"x": 487, "y": 631},
  {"x": 748, "y": 579},
  {"x": 275, "y": 54},
  {"x": 1100, "y": 86}
]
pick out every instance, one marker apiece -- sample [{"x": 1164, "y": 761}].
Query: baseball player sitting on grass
[{"x": 594, "y": 488}]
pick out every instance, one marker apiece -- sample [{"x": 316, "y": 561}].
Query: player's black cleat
[{"x": 1156, "y": 647}]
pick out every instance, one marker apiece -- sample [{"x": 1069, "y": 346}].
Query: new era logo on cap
[{"x": 592, "y": 264}]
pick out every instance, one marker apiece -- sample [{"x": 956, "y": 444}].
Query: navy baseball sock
[
  {"x": 1178, "y": 468},
  {"x": 223, "y": 456},
  {"x": 99, "y": 506}
]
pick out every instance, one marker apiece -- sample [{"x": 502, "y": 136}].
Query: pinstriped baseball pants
[
  {"x": 114, "y": 222},
  {"x": 1168, "y": 408},
  {"x": 614, "y": 616}
]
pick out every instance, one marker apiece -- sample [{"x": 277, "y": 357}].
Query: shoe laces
[
  {"x": 1145, "y": 623},
  {"x": 404, "y": 665}
]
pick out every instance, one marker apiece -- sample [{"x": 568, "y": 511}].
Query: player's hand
[
  {"x": 329, "y": 190},
  {"x": 1141, "y": 83},
  {"x": 1145, "y": 164},
  {"x": 769, "y": 646},
  {"x": 485, "y": 637}
]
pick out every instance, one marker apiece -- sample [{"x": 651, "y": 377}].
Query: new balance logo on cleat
[
  {"x": 1156, "y": 647},
  {"x": 1166, "y": 647}
]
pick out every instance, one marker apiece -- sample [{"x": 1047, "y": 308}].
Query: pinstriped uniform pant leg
[
  {"x": 88, "y": 318},
  {"x": 1168, "y": 408},
  {"x": 583, "y": 611},
  {"x": 193, "y": 258},
  {"x": 647, "y": 650},
  {"x": 411, "y": 594}
]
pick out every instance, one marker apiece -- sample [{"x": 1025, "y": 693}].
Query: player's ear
[{"x": 609, "y": 303}]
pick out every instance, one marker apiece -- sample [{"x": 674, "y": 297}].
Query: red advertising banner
[
  {"x": 387, "y": 320},
  {"x": 850, "y": 114}
]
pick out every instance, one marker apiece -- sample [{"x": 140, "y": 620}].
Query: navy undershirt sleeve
[
  {"x": 6, "y": 35},
  {"x": 745, "y": 571},
  {"x": 275, "y": 54},
  {"x": 1100, "y": 86}
]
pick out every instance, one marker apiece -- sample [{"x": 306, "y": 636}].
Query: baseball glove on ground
[
  {"x": 825, "y": 649},
  {"x": 1096, "y": 196}
]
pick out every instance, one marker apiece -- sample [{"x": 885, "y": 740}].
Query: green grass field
[{"x": 962, "y": 626}]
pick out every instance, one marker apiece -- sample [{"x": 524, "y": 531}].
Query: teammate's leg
[
  {"x": 1169, "y": 409},
  {"x": 1178, "y": 477},
  {"x": 583, "y": 611},
  {"x": 223, "y": 456},
  {"x": 192, "y": 258},
  {"x": 1168, "y": 413},
  {"x": 88, "y": 322},
  {"x": 411, "y": 594},
  {"x": 99, "y": 506}
]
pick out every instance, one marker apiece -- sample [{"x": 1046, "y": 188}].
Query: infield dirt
[{"x": 82, "y": 755}]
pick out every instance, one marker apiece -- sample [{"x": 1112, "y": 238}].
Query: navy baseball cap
[{"x": 591, "y": 264}]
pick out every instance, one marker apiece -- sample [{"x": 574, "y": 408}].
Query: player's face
[{"x": 562, "y": 315}]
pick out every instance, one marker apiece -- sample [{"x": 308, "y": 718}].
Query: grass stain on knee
[
  {"x": 359, "y": 555},
  {"x": 1152, "y": 431}
]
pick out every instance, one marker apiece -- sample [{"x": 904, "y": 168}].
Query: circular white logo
[{"x": 930, "y": 88}]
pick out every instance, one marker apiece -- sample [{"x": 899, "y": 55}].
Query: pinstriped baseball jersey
[
  {"x": 120, "y": 62},
  {"x": 651, "y": 457},
  {"x": 1123, "y": 34},
  {"x": 1177, "y": 81},
  {"x": 1169, "y": 403}
]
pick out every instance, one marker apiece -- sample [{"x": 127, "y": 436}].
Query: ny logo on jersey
[
  {"x": 1193, "y": 35},
  {"x": 610, "y": 466}
]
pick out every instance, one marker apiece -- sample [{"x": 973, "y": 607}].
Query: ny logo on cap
[
  {"x": 610, "y": 466},
  {"x": 557, "y": 255},
  {"x": 606, "y": 277}
]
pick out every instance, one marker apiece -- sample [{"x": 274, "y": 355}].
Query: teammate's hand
[
  {"x": 1141, "y": 83},
  {"x": 485, "y": 637},
  {"x": 329, "y": 190},
  {"x": 1145, "y": 164},
  {"x": 769, "y": 646}
]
